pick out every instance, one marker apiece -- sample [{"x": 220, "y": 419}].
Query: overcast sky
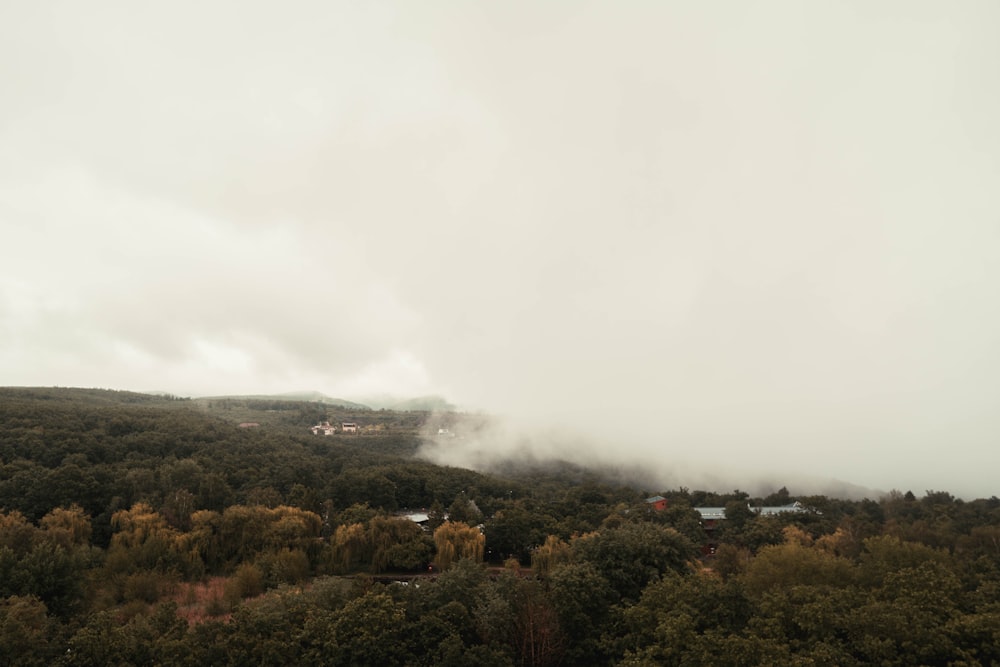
[{"x": 749, "y": 237}]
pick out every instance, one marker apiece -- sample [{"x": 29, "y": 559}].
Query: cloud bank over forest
[{"x": 761, "y": 239}]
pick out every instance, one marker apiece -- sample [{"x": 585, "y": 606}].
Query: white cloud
[{"x": 750, "y": 234}]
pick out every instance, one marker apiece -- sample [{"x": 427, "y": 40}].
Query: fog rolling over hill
[
  {"x": 724, "y": 241},
  {"x": 497, "y": 444}
]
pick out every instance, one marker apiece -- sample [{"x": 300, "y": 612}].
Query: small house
[
  {"x": 658, "y": 503},
  {"x": 326, "y": 428}
]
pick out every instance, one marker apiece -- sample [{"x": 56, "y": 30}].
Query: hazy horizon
[{"x": 721, "y": 240}]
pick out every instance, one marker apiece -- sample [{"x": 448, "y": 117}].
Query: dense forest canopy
[{"x": 138, "y": 529}]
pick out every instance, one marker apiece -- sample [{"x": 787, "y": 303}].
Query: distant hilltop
[
  {"x": 384, "y": 402},
  {"x": 430, "y": 403},
  {"x": 306, "y": 396}
]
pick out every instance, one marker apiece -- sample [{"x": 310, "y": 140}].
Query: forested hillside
[{"x": 148, "y": 530}]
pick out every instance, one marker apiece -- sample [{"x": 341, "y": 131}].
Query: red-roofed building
[{"x": 659, "y": 503}]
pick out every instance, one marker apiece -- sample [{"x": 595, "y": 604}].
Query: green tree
[
  {"x": 53, "y": 574},
  {"x": 793, "y": 564},
  {"x": 268, "y": 630},
  {"x": 678, "y": 619},
  {"x": 582, "y": 599},
  {"x": 436, "y": 515},
  {"x": 516, "y": 615},
  {"x": 515, "y": 531},
  {"x": 634, "y": 554},
  {"x": 464, "y": 510},
  {"x": 25, "y": 631},
  {"x": 246, "y": 582},
  {"x": 884, "y": 555},
  {"x": 396, "y": 543},
  {"x": 906, "y": 621},
  {"x": 684, "y": 520},
  {"x": 367, "y": 631},
  {"x": 463, "y": 582},
  {"x": 730, "y": 561}
]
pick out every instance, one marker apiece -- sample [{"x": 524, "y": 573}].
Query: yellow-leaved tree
[
  {"x": 455, "y": 540},
  {"x": 350, "y": 547},
  {"x": 67, "y": 526},
  {"x": 546, "y": 557}
]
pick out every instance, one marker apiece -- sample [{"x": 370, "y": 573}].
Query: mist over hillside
[
  {"x": 719, "y": 241},
  {"x": 491, "y": 444},
  {"x": 499, "y": 444},
  {"x": 429, "y": 403}
]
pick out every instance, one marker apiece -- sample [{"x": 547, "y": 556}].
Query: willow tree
[
  {"x": 396, "y": 542},
  {"x": 143, "y": 541},
  {"x": 546, "y": 557},
  {"x": 349, "y": 546},
  {"x": 67, "y": 526},
  {"x": 455, "y": 540}
]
